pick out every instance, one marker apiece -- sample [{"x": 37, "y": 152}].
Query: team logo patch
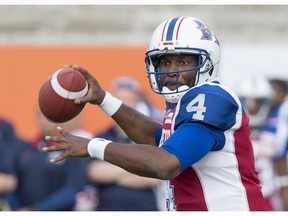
[{"x": 206, "y": 33}]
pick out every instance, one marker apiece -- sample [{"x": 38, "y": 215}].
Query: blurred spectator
[
  {"x": 257, "y": 96},
  {"x": 142, "y": 103},
  {"x": 8, "y": 143},
  {"x": 43, "y": 186},
  {"x": 118, "y": 189},
  {"x": 279, "y": 119}
]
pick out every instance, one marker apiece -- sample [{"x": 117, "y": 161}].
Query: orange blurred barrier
[{"x": 25, "y": 68}]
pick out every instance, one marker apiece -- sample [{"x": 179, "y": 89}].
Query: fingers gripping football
[{"x": 95, "y": 93}]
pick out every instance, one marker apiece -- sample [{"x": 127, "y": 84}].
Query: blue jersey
[{"x": 208, "y": 131}]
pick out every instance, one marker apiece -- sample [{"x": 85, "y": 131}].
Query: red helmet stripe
[
  {"x": 179, "y": 27},
  {"x": 164, "y": 31}
]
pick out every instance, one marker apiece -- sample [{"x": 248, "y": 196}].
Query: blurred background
[{"x": 111, "y": 41}]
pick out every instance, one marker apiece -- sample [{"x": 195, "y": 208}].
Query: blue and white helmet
[{"x": 182, "y": 35}]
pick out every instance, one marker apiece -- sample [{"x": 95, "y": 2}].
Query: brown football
[{"x": 56, "y": 96}]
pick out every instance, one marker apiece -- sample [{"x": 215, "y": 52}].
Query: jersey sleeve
[{"x": 189, "y": 143}]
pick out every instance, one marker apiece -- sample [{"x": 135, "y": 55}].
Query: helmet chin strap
[{"x": 173, "y": 96}]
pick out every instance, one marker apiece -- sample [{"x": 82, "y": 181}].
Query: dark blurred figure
[
  {"x": 43, "y": 186},
  {"x": 279, "y": 115},
  {"x": 8, "y": 145}
]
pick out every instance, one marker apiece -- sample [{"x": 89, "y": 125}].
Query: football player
[{"x": 203, "y": 146}]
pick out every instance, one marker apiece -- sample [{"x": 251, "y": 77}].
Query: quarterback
[{"x": 203, "y": 146}]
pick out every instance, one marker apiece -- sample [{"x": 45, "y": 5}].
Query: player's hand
[
  {"x": 95, "y": 94},
  {"x": 72, "y": 146}
]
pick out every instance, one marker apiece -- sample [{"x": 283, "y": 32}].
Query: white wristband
[
  {"x": 110, "y": 104},
  {"x": 96, "y": 147}
]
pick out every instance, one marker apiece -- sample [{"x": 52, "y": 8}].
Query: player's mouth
[{"x": 172, "y": 85}]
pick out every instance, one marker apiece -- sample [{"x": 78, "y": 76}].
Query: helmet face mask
[{"x": 182, "y": 36}]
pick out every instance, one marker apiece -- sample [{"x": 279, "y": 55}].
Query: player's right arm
[{"x": 140, "y": 128}]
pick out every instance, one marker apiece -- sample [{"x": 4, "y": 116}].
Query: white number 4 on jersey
[{"x": 197, "y": 105}]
